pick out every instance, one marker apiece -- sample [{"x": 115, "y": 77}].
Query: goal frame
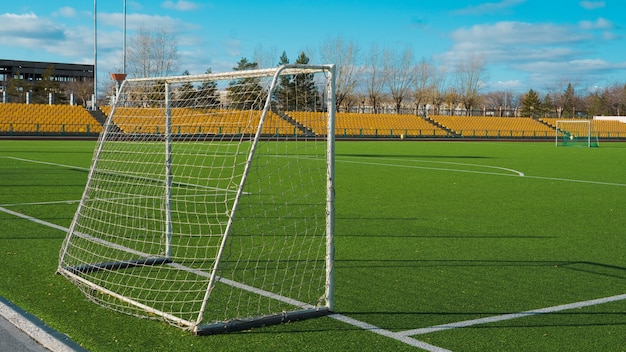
[
  {"x": 560, "y": 133},
  {"x": 303, "y": 310}
]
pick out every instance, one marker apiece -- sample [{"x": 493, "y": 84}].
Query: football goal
[
  {"x": 576, "y": 133},
  {"x": 209, "y": 203}
]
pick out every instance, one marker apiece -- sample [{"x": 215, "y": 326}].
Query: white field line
[
  {"x": 35, "y": 220},
  {"x": 507, "y": 172},
  {"x": 41, "y": 203},
  {"x": 362, "y": 325},
  {"x": 48, "y": 163},
  {"x": 130, "y": 176},
  {"x": 504, "y": 317},
  {"x": 404, "y": 336}
]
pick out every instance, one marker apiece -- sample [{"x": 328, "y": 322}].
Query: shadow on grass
[
  {"x": 573, "y": 319},
  {"x": 607, "y": 270}
]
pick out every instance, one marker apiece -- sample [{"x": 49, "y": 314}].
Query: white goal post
[
  {"x": 576, "y": 132},
  {"x": 209, "y": 203}
]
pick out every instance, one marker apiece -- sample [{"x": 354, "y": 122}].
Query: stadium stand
[
  {"x": 60, "y": 120},
  {"x": 46, "y": 119},
  {"x": 199, "y": 121},
  {"x": 373, "y": 125},
  {"x": 498, "y": 127}
]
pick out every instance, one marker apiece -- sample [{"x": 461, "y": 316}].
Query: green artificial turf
[{"x": 427, "y": 233}]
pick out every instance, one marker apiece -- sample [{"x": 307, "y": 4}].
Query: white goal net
[{"x": 209, "y": 201}]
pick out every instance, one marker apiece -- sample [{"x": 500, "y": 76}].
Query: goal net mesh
[
  {"x": 576, "y": 132},
  {"x": 209, "y": 200}
]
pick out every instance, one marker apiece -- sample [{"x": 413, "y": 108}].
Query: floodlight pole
[
  {"x": 124, "y": 42},
  {"x": 95, "y": 57}
]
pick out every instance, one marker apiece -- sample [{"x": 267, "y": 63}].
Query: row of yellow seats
[
  {"x": 355, "y": 123},
  {"x": 493, "y": 126},
  {"x": 188, "y": 121},
  {"x": 42, "y": 113}
]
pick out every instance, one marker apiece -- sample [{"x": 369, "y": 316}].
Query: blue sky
[{"x": 527, "y": 44}]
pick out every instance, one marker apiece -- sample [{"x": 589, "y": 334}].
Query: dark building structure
[
  {"x": 32, "y": 71},
  {"x": 26, "y": 76}
]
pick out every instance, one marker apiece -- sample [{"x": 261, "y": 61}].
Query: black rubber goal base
[{"x": 274, "y": 319}]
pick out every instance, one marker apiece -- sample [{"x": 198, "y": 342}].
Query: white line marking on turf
[
  {"x": 404, "y": 336},
  {"x": 512, "y": 172},
  {"x": 578, "y": 181},
  {"x": 41, "y": 203},
  {"x": 362, "y": 325},
  {"x": 121, "y": 174},
  {"x": 515, "y": 173},
  {"x": 48, "y": 163},
  {"x": 30, "y": 218},
  {"x": 497, "y": 318},
  {"x": 394, "y": 335}
]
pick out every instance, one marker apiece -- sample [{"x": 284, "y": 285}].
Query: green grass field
[{"x": 516, "y": 246}]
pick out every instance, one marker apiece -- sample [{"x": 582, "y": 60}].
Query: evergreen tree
[
  {"x": 305, "y": 91},
  {"x": 16, "y": 88},
  {"x": 209, "y": 97},
  {"x": 186, "y": 94},
  {"x": 47, "y": 85},
  {"x": 297, "y": 91},
  {"x": 285, "y": 88},
  {"x": 569, "y": 101},
  {"x": 548, "y": 104},
  {"x": 531, "y": 104},
  {"x": 246, "y": 93}
]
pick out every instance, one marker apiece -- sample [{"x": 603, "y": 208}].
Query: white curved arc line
[{"x": 512, "y": 172}]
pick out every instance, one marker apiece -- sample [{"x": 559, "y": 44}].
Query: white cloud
[
  {"x": 517, "y": 33},
  {"x": 514, "y": 42},
  {"x": 180, "y": 5},
  {"x": 592, "y": 5},
  {"x": 65, "y": 12},
  {"x": 232, "y": 47},
  {"x": 600, "y": 23},
  {"x": 489, "y": 7},
  {"x": 573, "y": 68},
  {"x": 28, "y": 29},
  {"x": 543, "y": 52}
]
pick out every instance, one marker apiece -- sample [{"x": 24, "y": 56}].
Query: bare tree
[
  {"x": 82, "y": 90},
  {"x": 265, "y": 57},
  {"x": 375, "y": 78},
  {"x": 438, "y": 86},
  {"x": 424, "y": 76},
  {"x": 616, "y": 99},
  {"x": 469, "y": 75},
  {"x": 399, "y": 74},
  {"x": 152, "y": 53},
  {"x": 345, "y": 55}
]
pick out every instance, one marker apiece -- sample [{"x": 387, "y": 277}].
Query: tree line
[
  {"x": 386, "y": 79},
  {"x": 380, "y": 79}
]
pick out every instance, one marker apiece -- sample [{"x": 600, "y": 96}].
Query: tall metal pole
[
  {"x": 95, "y": 57},
  {"x": 124, "y": 41}
]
